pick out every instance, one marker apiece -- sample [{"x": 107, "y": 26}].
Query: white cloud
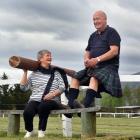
[{"x": 28, "y": 26}]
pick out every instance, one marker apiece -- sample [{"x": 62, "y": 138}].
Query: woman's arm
[
  {"x": 57, "y": 92},
  {"x": 24, "y": 83},
  {"x": 24, "y": 78}
]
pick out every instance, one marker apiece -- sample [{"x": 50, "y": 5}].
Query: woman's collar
[{"x": 44, "y": 70}]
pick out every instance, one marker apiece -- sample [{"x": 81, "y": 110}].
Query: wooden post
[
  {"x": 14, "y": 124},
  {"x": 88, "y": 124},
  {"x": 66, "y": 122}
]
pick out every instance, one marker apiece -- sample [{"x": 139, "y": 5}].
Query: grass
[{"x": 107, "y": 129}]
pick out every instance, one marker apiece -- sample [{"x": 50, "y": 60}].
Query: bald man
[{"x": 101, "y": 60}]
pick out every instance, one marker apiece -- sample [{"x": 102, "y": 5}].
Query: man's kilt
[{"x": 107, "y": 76}]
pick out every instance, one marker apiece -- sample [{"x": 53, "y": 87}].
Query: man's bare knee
[
  {"x": 93, "y": 83},
  {"x": 74, "y": 83}
]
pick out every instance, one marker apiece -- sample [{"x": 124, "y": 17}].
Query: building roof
[{"x": 127, "y": 107}]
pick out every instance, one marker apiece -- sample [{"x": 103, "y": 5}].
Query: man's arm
[
  {"x": 114, "y": 50},
  {"x": 86, "y": 58},
  {"x": 86, "y": 55}
]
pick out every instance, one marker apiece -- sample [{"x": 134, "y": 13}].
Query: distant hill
[
  {"x": 138, "y": 73},
  {"x": 130, "y": 84}
]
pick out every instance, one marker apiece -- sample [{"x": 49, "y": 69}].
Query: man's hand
[{"x": 91, "y": 63}]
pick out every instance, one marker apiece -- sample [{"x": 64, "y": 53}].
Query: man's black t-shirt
[{"x": 99, "y": 44}]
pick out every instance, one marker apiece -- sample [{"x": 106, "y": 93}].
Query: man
[
  {"x": 46, "y": 85},
  {"x": 101, "y": 60}
]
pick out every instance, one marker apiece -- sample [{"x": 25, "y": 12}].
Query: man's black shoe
[
  {"x": 76, "y": 104},
  {"x": 62, "y": 106}
]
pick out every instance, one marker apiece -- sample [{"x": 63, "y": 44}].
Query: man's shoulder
[
  {"x": 93, "y": 34},
  {"x": 111, "y": 29}
]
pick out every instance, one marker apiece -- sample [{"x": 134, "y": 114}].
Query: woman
[{"x": 41, "y": 102}]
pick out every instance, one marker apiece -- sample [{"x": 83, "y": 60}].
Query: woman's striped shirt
[{"x": 37, "y": 82}]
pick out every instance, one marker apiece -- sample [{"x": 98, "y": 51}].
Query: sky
[{"x": 64, "y": 27}]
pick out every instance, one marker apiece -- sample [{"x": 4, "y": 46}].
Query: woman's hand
[{"x": 49, "y": 96}]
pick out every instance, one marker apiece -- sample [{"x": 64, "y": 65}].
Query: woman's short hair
[{"x": 41, "y": 53}]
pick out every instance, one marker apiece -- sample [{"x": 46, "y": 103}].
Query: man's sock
[
  {"x": 89, "y": 98},
  {"x": 73, "y": 94},
  {"x": 98, "y": 95}
]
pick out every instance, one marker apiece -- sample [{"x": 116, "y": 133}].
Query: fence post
[
  {"x": 13, "y": 124},
  {"x": 88, "y": 121},
  {"x": 66, "y": 122},
  {"x": 88, "y": 124}
]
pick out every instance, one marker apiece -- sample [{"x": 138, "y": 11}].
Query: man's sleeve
[{"x": 114, "y": 38}]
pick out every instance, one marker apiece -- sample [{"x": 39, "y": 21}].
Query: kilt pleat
[{"x": 108, "y": 77}]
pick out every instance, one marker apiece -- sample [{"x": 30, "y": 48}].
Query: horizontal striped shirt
[{"x": 37, "y": 82}]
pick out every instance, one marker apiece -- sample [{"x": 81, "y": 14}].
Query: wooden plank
[
  {"x": 78, "y": 110},
  {"x": 64, "y": 111}
]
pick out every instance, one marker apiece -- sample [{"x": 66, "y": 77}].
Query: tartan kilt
[{"x": 108, "y": 78}]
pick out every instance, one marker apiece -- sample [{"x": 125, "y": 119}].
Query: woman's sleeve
[
  {"x": 61, "y": 84},
  {"x": 27, "y": 86}
]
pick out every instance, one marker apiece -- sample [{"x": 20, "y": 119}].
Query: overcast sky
[{"x": 63, "y": 27}]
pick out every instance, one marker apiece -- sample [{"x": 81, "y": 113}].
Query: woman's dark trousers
[{"x": 42, "y": 109}]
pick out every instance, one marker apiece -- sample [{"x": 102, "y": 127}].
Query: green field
[{"x": 107, "y": 128}]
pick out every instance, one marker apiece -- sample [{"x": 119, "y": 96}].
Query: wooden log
[
  {"x": 13, "y": 124},
  {"x": 29, "y": 64},
  {"x": 69, "y": 72},
  {"x": 23, "y": 63}
]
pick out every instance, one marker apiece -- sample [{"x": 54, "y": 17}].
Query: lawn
[{"x": 107, "y": 129}]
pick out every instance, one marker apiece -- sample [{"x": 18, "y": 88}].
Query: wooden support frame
[{"x": 88, "y": 118}]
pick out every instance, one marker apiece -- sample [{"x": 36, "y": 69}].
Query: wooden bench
[{"x": 88, "y": 120}]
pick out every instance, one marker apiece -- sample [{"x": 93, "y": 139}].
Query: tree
[
  {"x": 111, "y": 102},
  {"x": 136, "y": 96},
  {"x": 18, "y": 98},
  {"x": 127, "y": 95},
  {"x": 4, "y": 76},
  {"x": 11, "y": 97}
]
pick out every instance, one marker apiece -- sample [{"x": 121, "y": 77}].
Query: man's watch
[{"x": 98, "y": 59}]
